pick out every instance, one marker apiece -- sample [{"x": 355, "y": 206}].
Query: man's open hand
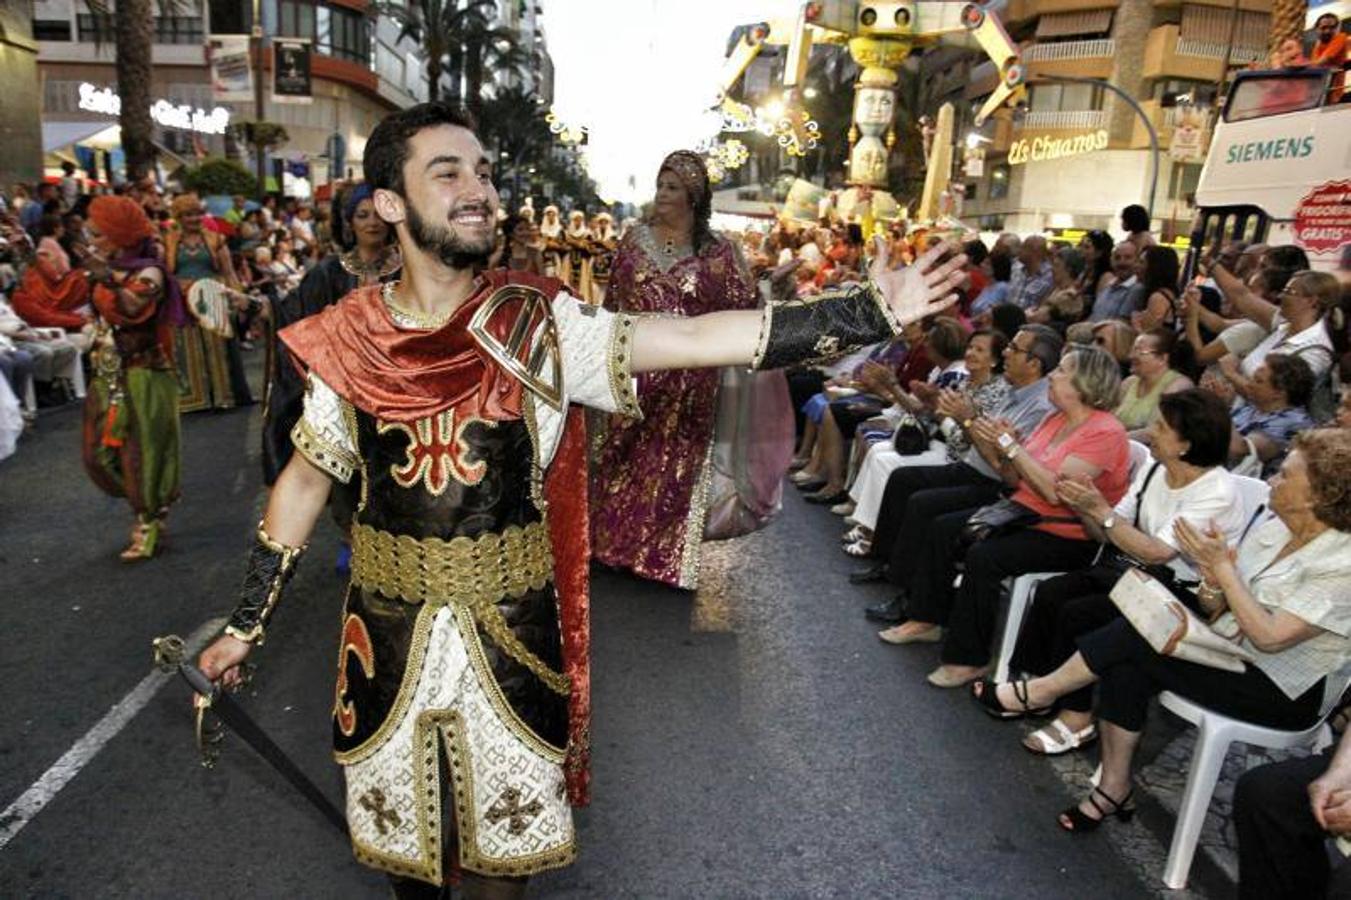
[{"x": 921, "y": 290}]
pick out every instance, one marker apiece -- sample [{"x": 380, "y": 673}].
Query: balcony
[
  {"x": 1263, "y": 6},
  {"x": 1164, "y": 120},
  {"x": 1082, "y": 59},
  {"x": 1169, "y": 55},
  {"x": 1021, "y": 10},
  {"x": 1062, "y": 120}
]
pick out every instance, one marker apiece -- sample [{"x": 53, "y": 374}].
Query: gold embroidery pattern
[
  {"x": 474, "y": 573},
  {"x": 621, "y": 365},
  {"x": 485, "y": 757},
  {"x": 694, "y": 523},
  {"x": 436, "y": 452},
  {"x": 373, "y": 801},
  {"x": 884, "y": 306},
  {"x": 324, "y": 455},
  {"x": 471, "y": 841},
  {"x": 417, "y": 650},
  {"x": 479, "y": 660}
]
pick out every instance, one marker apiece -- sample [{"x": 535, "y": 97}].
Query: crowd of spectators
[
  {"x": 257, "y": 253},
  {"x": 1084, "y": 410}
]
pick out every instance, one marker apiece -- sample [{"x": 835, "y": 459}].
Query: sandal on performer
[
  {"x": 1057, "y": 738},
  {"x": 144, "y": 541},
  {"x": 988, "y": 698},
  {"x": 1076, "y": 821},
  {"x": 858, "y": 532}
]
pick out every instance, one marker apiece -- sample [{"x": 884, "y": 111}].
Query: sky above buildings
[{"x": 640, "y": 75}]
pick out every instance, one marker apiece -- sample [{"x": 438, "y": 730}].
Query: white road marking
[{"x": 44, "y": 790}]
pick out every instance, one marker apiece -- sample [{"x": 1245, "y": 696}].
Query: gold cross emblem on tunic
[
  {"x": 508, "y": 806},
  {"x": 373, "y": 801}
]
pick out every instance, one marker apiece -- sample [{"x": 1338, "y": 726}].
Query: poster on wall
[
  {"x": 1323, "y": 218},
  {"x": 291, "y": 72},
  {"x": 231, "y": 74}
]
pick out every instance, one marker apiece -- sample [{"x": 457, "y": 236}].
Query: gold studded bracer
[
  {"x": 271, "y": 565},
  {"x": 823, "y": 327}
]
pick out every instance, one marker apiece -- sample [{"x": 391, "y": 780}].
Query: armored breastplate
[
  {"x": 446, "y": 476},
  {"x": 447, "y": 519}
]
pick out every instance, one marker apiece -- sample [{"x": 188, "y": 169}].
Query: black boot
[
  {"x": 874, "y": 573},
  {"x": 890, "y": 613}
]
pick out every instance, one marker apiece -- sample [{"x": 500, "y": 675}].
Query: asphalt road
[{"x": 754, "y": 741}]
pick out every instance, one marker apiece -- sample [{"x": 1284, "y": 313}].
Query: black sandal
[
  {"x": 988, "y": 698},
  {"x": 1081, "y": 822}
]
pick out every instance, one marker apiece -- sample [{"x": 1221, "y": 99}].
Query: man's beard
[{"x": 449, "y": 247}]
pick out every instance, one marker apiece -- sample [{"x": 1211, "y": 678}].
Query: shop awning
[{"x": 62, "y": 134}]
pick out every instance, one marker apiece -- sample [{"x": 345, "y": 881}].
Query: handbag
[
  {"x": 910, "y": 438},
  {"x": 1004, "y": 516},
  {"x": 1172, "y": 629}
]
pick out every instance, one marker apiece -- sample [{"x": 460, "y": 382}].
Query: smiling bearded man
[{"x": 465, "y": 631}]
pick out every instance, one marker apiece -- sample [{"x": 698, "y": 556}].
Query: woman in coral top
[{"x": 1080, "y": 440}]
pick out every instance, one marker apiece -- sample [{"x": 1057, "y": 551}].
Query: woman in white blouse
[
  {"x": 1285, "y": 595},
  {"x": 1186, "y": 480}
]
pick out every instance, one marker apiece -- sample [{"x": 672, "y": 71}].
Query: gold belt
[{"x": 473, "y": 573}]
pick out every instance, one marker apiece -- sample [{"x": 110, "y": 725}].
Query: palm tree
[
  {"x": 488, "y": 47},
  {"x": 440, "y": 27},
  {"x": 133, "y": 32},
  {"x": 512, "y": 123},
  {"x": 1287, "y": 21}
]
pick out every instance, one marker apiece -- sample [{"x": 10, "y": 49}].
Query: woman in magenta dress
[{"x": 651, "y": 478}]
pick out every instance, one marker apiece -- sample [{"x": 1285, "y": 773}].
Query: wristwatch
[{"x": 1108, "y": 522}]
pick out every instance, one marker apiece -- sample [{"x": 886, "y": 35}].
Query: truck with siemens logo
[{"x": 1279, "y": 167}]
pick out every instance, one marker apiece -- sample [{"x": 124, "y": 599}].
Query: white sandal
[
  {"x": 859, "y": 549},
  {"x": 854, "y": 534},
  {"x": 1057, "y": 738}
]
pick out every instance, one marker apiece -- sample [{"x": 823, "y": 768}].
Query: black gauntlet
[
  {"x": 823, "y": 327},
  {"x": 271, "y": 565}
]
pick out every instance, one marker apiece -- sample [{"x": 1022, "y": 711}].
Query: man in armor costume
[{"x": 465, "y": 633}]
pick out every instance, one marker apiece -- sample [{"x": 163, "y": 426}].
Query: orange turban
[{"x": 121, "y": 219}]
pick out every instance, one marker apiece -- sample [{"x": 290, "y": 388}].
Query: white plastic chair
[
  {"x": 1020, "y": 598},
  {"x": 1254, "y": 493},
  {"x": 1215, "y": 734},
  {"x": 1140, "y": 456},
  {"x": 1022, "y": 588}
]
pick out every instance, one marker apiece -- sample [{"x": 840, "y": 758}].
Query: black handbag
[
  {"x": 1004, "y": 516},
  {"x": 910, "y": 439}
]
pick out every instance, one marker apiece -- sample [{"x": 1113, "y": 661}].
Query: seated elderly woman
[
  {"x": 1117, "y": 338},
  {"x": 943, "y": 345},
  {"x": 843, "y": 379},
  {"x": 1158, "y": 359},
  {"x": 1285, "y": 596},
  {"x": 1078, "y": 439},
  {"x": 1187, "y": 479},
  {"x": 1065, "y": 303},
  {"x": 1273, "y": 413},
  {"x": 985, "y": 387}
]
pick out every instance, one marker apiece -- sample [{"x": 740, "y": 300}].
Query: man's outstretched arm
[{"x": 826, "y": 326}]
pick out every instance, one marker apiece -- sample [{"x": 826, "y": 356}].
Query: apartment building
[
  {"x": 1077, "y": 154},
  {"x": 359, "y": 73}
]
